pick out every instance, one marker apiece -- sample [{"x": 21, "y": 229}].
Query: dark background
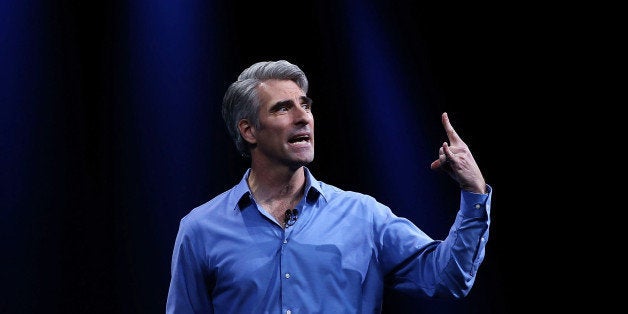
[{"x": 111, "y": 131}]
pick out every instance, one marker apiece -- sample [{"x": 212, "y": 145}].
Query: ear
[{"x": 247, "y": 131}]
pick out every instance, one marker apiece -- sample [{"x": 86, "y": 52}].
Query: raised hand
[{"x": 456, "y": 159}]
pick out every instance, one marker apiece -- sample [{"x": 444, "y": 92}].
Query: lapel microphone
[{"x": 291, "y": 217}]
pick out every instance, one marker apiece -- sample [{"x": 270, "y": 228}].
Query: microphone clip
[{"x": 291, "y": 217}]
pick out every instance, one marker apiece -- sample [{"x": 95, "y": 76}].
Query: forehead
[{"x": 272, "y": 91}]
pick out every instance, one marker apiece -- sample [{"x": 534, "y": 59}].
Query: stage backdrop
[{"x": 111, "y": 131}]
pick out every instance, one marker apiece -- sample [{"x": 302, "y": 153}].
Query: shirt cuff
[{"x": 475, "y": 204}]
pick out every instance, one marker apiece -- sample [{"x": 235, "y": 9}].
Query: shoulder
[
  {"x": 334, "y": 195},
  {"x": 206, "y": 212},
  {"x": 335, "y": 191}
]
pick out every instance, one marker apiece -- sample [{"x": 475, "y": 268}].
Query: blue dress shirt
[{"x": 231, "y": 256}]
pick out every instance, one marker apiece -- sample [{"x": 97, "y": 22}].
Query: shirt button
[
  {"x": 478, "y": 206},
  {"x": 285, "y": 241},
  {"x": 483, "y": 239},
  {"x": 288, "y": 312},
  {"x": 287, "y": 275}
]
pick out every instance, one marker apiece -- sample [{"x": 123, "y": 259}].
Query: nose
[{"x": 302, "y": 115}]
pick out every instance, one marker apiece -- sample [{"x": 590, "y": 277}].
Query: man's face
[{"x": 286, "y": 132}]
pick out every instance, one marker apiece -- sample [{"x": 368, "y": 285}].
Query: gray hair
[{"x": 242, "y": 100}]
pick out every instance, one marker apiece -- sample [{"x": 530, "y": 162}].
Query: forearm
[{"x": 446, "y": 268}]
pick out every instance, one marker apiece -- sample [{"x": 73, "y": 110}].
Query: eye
[{"x": 306, "y": 103}]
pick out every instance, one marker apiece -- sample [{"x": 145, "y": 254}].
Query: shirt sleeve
[
  {"x": 188, "y": 291},
  {"x": 418, "y": 265}
]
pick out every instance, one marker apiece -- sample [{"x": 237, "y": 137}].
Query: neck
[{"x": 270, "y": 185}]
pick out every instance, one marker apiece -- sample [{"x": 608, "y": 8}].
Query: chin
[{"x": 302, "y": 161}]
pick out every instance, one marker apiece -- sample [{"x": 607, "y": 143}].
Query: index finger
[{"x": 451, "y": 133}]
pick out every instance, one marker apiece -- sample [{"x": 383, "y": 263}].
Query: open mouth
[{"x": 299, "y": 139}]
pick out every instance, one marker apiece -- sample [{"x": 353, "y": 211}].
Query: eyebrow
[{"x": 307, "y": 100}]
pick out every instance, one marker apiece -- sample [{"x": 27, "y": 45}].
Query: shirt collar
[
  {"x": 313, "y": 187},
  {"x": 241, "y": 194}
]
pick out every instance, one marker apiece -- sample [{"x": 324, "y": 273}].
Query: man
[{"x": 281, "y": 241}]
